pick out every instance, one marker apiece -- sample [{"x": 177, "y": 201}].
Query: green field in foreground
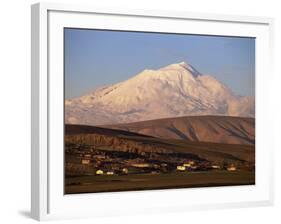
[{"x": 133, "y": 182}]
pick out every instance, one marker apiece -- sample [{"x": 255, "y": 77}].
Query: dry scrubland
[{"x": 140, "y": 156}]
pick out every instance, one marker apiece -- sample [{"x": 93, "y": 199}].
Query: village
[{"x": 89, "y": 160}]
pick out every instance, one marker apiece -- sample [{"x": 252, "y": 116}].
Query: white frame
[{"x": 43, "y": 188}]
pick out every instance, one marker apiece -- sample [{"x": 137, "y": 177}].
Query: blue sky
[{"x": 95, "y": 58}]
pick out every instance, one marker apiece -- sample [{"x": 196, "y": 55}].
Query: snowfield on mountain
[{"x": 173, "y": 91}]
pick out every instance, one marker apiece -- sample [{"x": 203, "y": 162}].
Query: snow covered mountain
[{"x": 172, "y": 91}]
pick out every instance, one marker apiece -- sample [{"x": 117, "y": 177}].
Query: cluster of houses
[
  {"x": 104, "y": 163},
  {"x": 101, "y": 172},
  {"x": 137, "y": 166},
  {"x": 191, "y": 166}
]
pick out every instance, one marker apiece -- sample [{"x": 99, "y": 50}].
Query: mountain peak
[
  {"x": 183, "y": 65},
  {"x": 172, "y": 91}
]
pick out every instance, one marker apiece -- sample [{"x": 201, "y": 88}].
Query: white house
[
  {"x": 140, "y": 165},
  {"x": 181, "y": 168},
  {"x": 189, "y": 163},
  {"x": 99, "y": 172},
  {"x": 125, "y": 170},
  {"x": 85, "y": 161},
  {"x": 216, "y": 167},
  {"x": 231, "y": 168}
]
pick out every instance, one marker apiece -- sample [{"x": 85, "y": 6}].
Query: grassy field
[{"x": 133, "y": 182}]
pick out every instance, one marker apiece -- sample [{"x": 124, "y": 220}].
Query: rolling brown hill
[
  {"x": 74, "y": 129},
  {"x": 124, "y": 141},
  {"x": 215, "y": 129}
]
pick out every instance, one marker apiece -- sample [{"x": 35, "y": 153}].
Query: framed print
[{"x": 164, "y": 111}]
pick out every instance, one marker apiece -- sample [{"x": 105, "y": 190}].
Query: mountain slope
[
  {"x": 169, "y": 150},
  {"x": 172, "y": 91},
  {"x": 216, "y": 129}
]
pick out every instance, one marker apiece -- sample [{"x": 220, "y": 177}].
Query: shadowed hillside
[
  {"x": 216, "y": 129},
  {"x": 71, "y": 129},
  {"x": 128, "y": 142}
]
